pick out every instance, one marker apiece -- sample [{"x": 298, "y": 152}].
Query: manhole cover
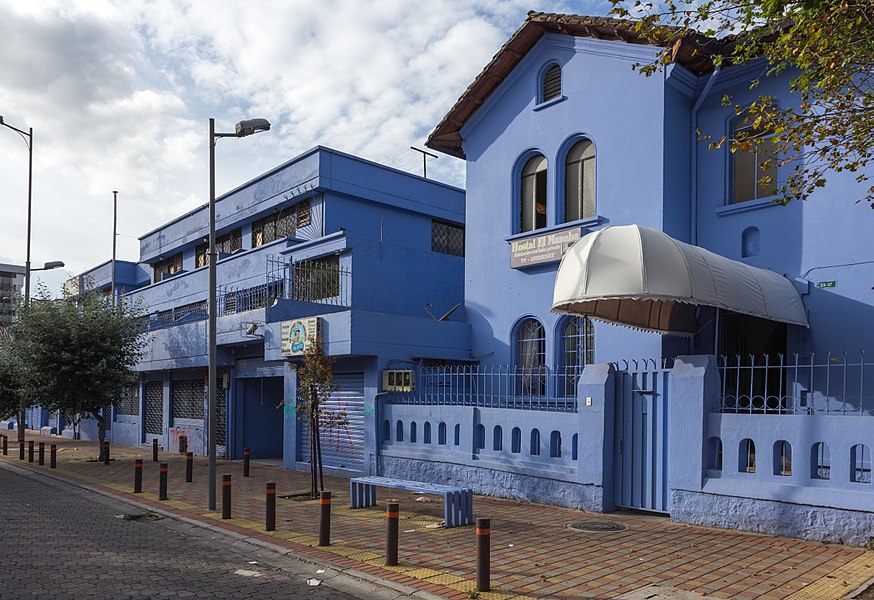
[{"x": 597, "y": 526}]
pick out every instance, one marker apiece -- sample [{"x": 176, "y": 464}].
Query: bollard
[
  {"x": 20, "y": 449},
  {"x": 42, "y": 453},
  {"x": 30, "y": 451},
  {"x": 189, "y": 467},
  {"x": 226, "y": 496},
  {"x": 270, "y": 517},
  {"x": 105, "y": 453},
  {"x": 5, "y": 446},
  {"x": 325, "y": 519},
  {"x": 483, "y": 538},
  {"x": 245, "y": 462},
  {"x": 162, "y": 489},
  {"x": 138, "y": 476},
  {"x": 53, "y": 456},
  {"x": 391, "y": 534},
  {"x": 155, "y": 450}
]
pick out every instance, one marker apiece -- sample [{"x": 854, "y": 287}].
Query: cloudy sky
[{"x": 119, "y": 94}]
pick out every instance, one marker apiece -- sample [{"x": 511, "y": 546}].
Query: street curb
[{"x": 344, "y": 579}]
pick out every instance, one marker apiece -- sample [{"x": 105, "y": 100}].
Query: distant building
[{"x": 11, "y": 285}]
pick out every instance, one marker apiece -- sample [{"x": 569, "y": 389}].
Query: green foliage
[
  {"x": 826, "y": 47},
  {"x": 76, "y": 354},
  {"x": 10, "y": 397}
]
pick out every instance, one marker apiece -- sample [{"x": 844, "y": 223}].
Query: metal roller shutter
[{"x": 343, "y": 448}]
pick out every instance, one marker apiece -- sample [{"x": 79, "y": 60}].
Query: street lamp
[{"x": 242, "y": 129}]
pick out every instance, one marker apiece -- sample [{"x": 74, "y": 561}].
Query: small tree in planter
[{"x": 315, "y": 385}]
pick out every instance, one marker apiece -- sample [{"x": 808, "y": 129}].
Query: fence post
[
  {"x": 154, "y": 449},
  {"x": 270, "y": 517},
  {"x": 53, "y": 456},
  {"x": 391, "y": 533},
  {"x": 42, "y": 453},
  {"x": 189, "y": 467},
  {"x": 325, "y": 519},
  {"x": 245, "y": 462},
  {"x": 30, "y": 451},
  {"x": 162, "y": 485},
  {"x": 226, "y": 496},
  {"x": 138, "y": 476},
  {"x": 483, "y": 540}
]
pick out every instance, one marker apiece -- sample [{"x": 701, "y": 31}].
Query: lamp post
[
  {"x": 242, "y": 129},
  {"x": 114, "y": 238}
]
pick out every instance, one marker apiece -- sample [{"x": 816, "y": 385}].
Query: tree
[
  {"x": 76, "y": 353},
  {"x": 315, "y": 379},
  {"x": 826, "y": 47},
  {"x": 10, "y": 386}
]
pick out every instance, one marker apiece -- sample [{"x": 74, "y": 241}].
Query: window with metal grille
[
  {"x": 551, "y": 87},
  {"x": 447, "y": 238},
  {"x": 154, "y": 404},
  {"x": 531, "y": 358},
  {"x": 579, "y": 182},
  {"x": 281, "y": 224},
  {"x": 187, "y": 397},
  {"x": 226, "y": 244},
  {"x": 317, "y": 279},
  {"x": 577, "y": 349},
  {"x": 221, "y": 414},
  {"x": 128, "y": 402},
  {"x": 166, "y": 267},
  {"x": 532, "y": 201}
]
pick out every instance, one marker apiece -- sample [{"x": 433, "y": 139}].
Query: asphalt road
[{"x": 60, "y": 541}]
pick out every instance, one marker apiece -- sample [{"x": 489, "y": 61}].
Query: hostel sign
[
  {"x": 296, "y": 336},
  {"x": 541, "y": 249}
]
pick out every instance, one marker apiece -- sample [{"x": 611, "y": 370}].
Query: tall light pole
[
  {"x": 242, "y": 129},
  {"x": 114, "y": 237}
]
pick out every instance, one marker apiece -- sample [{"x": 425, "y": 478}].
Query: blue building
[
  {"x": 328, "y": 244},
  {"x": 756, "y": 411}
]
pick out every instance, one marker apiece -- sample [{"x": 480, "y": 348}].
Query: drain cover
[{"x": 597, "y": 526}]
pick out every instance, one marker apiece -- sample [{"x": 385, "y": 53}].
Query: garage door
[{"x": 342, "y": 446}]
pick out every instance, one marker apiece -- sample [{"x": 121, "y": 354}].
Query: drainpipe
[{"x": 693, "y": 189}]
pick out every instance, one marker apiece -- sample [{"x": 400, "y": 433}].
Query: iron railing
[
  {"x": 775, "y": 384},
  {"x": 233, "y": 301},
  {"x": 322, "y": 281},
  {"x": 494, "y": 386}
]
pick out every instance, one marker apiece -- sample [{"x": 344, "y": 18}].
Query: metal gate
[
  {"x": 154, "y": 393},
  {"x": 343, "y": 447},
  {"x": 640, "y": 470}
]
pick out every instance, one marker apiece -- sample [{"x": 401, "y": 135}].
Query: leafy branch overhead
[{"x": 826, "y": 47}]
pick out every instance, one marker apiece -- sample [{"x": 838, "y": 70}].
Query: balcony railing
[{"x": 321, "y": 281}]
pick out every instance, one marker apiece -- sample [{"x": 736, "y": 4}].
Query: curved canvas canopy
[{"x": 643, "y": 278}]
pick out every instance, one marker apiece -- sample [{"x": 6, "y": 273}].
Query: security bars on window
[
  {"x": 154, "y": 400},
  {"x": 187, "y": 398}
]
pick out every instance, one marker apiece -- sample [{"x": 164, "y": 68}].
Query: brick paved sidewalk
[{"x": 534, "y": 552}]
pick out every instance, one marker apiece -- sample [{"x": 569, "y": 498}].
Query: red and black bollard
[
  {"x": 270, "y": 517},
  {"x": 483, "y": 541},
  {"x": 245, "y": 462},
  {"x": 162, "y": 485},
  {"x": 391, "y": 533},
  {"x": 5, "y": 446},
  {"x": 30, "y": 451},
  {"x": 189, "y": 467},
  {"x": 53, "y": 456},
  {"x": 154, "y": 449},
  {"x": 325, "y": 519},
  {"x": 138, "y": 476},
  {"x": 226, "y": 496},
  {"x": 42, "y": 453},
  {"x": 105, "y": 453}
]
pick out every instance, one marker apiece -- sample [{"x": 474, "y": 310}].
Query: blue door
[{"x": 640, "y": 471}]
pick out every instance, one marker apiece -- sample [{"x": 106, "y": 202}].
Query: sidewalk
[{"x": 534, "y": 552}]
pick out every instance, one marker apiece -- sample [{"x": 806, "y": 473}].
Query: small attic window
[{"x": 551, "y": 87}]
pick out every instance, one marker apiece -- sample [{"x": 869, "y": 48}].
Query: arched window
[
  {"x": 860, "y": 464},
  {"x": 457, "y": 434},
  {"x": 534, "y": 448},
  {"x": 516, "y": 441},
  {"x": 413, "y": 432},
  {"x": 441, "y": 434},
  {"x": 782, "y": 458},
  {"x": 747, "y": 456},
  {"x": 532, "y": 201},
  {"x": 479, "y": 437},
  {"x": 714, "y": 454},
  {"x": 749, "y": 242},
  {"x": 386, "y": 431},
  {"x": 426, "y": 432},
  {"x": 579, "y": 182},
  {"x": 555, "y": 444},
  {"x": 498, "y": 439},
  {"x": 820, "y": 461},
  {"x": 399, "y": 434},
  {"x": 574, "y": 451},
  {"x": 550, "y": 84},
  {"x": 531, "y": 361},
  {"x": 577, "y": 349}
]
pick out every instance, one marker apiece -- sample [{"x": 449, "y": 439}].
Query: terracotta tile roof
[{"x": 694, "y": 53}]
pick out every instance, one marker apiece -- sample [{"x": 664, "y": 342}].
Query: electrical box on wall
[{"x": 398, "y": 380}]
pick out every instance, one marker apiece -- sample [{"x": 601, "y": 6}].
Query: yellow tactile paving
[
  {"x": 447, "y": 580},
  {"x": 839, "y": 582}
]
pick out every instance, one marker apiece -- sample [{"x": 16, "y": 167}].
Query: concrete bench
[{"x": 457, "y": 502}]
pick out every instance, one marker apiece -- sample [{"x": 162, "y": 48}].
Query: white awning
[{"x": 643, "y": 278}]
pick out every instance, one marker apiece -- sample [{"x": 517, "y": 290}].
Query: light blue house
[
  {"x": 757, "y": 423},
  {"x": 366, "y": 256}
]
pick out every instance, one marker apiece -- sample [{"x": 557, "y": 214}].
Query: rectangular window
[
  {"x": 754, "y": 172},
  {"x": 168, "y": 266},
  {"x": 282, "y": 224},
  {"x": 447, "y": 238},
  {"x": 315, "y": 280},
  {"x": 187, "y": 397},
  {"x": 225, "y": 244},
  {"x": 128, "y": 402}
]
